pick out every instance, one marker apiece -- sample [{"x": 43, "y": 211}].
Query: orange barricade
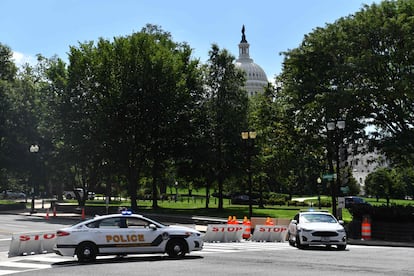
[
  {"x": 366, "y": 229},
  {"x": 248, "y": 230}
]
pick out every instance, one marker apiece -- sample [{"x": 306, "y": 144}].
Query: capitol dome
[{"x": 256, "y": 78}]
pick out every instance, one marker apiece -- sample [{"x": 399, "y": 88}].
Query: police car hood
[
  {"x": 181, "y": 228},
  {"x": 321, "y": 226}
]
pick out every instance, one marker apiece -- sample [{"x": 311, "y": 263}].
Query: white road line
[
  {"x": 8, "y": 272},
  {"x": 19, "y": 264}
]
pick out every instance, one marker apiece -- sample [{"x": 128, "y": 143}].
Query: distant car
[
  {"x": 71, "y": 194},
  {"x": 12, "y": 195},
  {"x": 125, "y": 233},
  {"x": 242, "y": 199},
  {"x": 316, "y": 228},
  {"x": 353, "y": 200}
]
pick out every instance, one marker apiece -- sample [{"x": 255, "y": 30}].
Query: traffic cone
[
  {"x": 47, "y": 214},
  {"x": 54, "y": 211},
  {"x": 234, "y": 220},
  {"x": 248, "y": 229},
  {"x": 269, "y": 221},
  {"x": 83, "y": 213},
  {"x": 229, "y": 220},
  {"x": 365, "y": 229}
]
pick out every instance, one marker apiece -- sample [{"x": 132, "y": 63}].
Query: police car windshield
[{"x": 311, "y": 218}]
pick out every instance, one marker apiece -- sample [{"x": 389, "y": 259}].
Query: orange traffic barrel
[
  {"x": 248, "y": 229},
  {"x": 365, "y": 229}
]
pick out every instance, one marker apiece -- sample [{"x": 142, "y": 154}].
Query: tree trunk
[
  {"x": 132, "y": 186},
  {"x": 155, "y": 177}
]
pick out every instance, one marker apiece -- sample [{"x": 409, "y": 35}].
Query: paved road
[{"x": 243, "y": 258}]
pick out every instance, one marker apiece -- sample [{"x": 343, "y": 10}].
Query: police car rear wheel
[
  {"x": 176, "y": 248},
  {"x": 86, "y": 252}
]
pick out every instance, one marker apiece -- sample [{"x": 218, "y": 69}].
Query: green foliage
[
  {"x": 390, "y": 183},
  {"x": 358, "y": 68},
  {"x": 275, "y": 199}
]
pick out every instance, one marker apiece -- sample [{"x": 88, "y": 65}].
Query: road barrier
[
  {"x": 269, "y": 233},
  {"x": 32, "y": 243},
  {"x": 224, "y": 233}
]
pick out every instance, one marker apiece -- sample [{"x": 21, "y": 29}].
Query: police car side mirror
[
  {"x": 152, "y": 226},
  {"x": 294, "y": 221}
]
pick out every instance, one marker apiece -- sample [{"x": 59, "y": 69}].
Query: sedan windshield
[{"x": 317, "y": 218}]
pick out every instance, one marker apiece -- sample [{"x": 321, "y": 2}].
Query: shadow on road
[{"x": 125, "y": 259}]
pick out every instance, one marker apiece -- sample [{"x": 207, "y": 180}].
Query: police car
[
  {"x": 316, "y": 228},
  {"x": 125, "y": 233}
]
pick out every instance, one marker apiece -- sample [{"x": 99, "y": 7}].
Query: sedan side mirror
[{"x": 294, "y": 221}]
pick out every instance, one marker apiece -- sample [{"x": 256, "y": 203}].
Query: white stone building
[
  {"x": 363, "y": 163},
  {"x": 256, "y": 79}
]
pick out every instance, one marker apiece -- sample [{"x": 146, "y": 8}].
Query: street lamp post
[
  {"x": 319, "y": 180},
  {"x": 335, "y": 129},
  {"x": 249, "y": 137},
  {"x": 33, "y": 149}
]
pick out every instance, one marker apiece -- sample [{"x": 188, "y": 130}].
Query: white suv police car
[
  {"x": 316, "y": 228},
  {"x": 126, "y": 233}
]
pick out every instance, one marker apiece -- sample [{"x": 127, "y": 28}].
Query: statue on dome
[{"x": 243, "y": 35}]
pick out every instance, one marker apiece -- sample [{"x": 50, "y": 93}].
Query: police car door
[
  {"x": 146, "y": 237},
  {"x": 109, "y": 235}
]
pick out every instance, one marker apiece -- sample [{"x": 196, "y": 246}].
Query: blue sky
[{"x": 50, "y": 27}]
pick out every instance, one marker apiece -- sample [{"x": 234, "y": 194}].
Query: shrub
[{"x": 275, "y": 199}]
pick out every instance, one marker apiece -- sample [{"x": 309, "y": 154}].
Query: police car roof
[{"x": 126, "y": 214}]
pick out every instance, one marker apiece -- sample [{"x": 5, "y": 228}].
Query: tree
[
  {"x": 129, "y": 104},
  {"x": 227, "y": 115},
  {"x": 380, "y": 184},
  {"x": 358, "y": 68},
  {"x": 7, "y": 76}
]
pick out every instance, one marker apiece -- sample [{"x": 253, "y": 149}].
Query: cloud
[{"x": 21, "y": 59}]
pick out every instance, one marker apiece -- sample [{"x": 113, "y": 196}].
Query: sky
[{"x": 50, "y": 27}]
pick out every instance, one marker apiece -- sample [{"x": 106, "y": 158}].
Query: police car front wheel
[
  {"x": 176, "y": 248},
  {"x": 86, "y": 252}
]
